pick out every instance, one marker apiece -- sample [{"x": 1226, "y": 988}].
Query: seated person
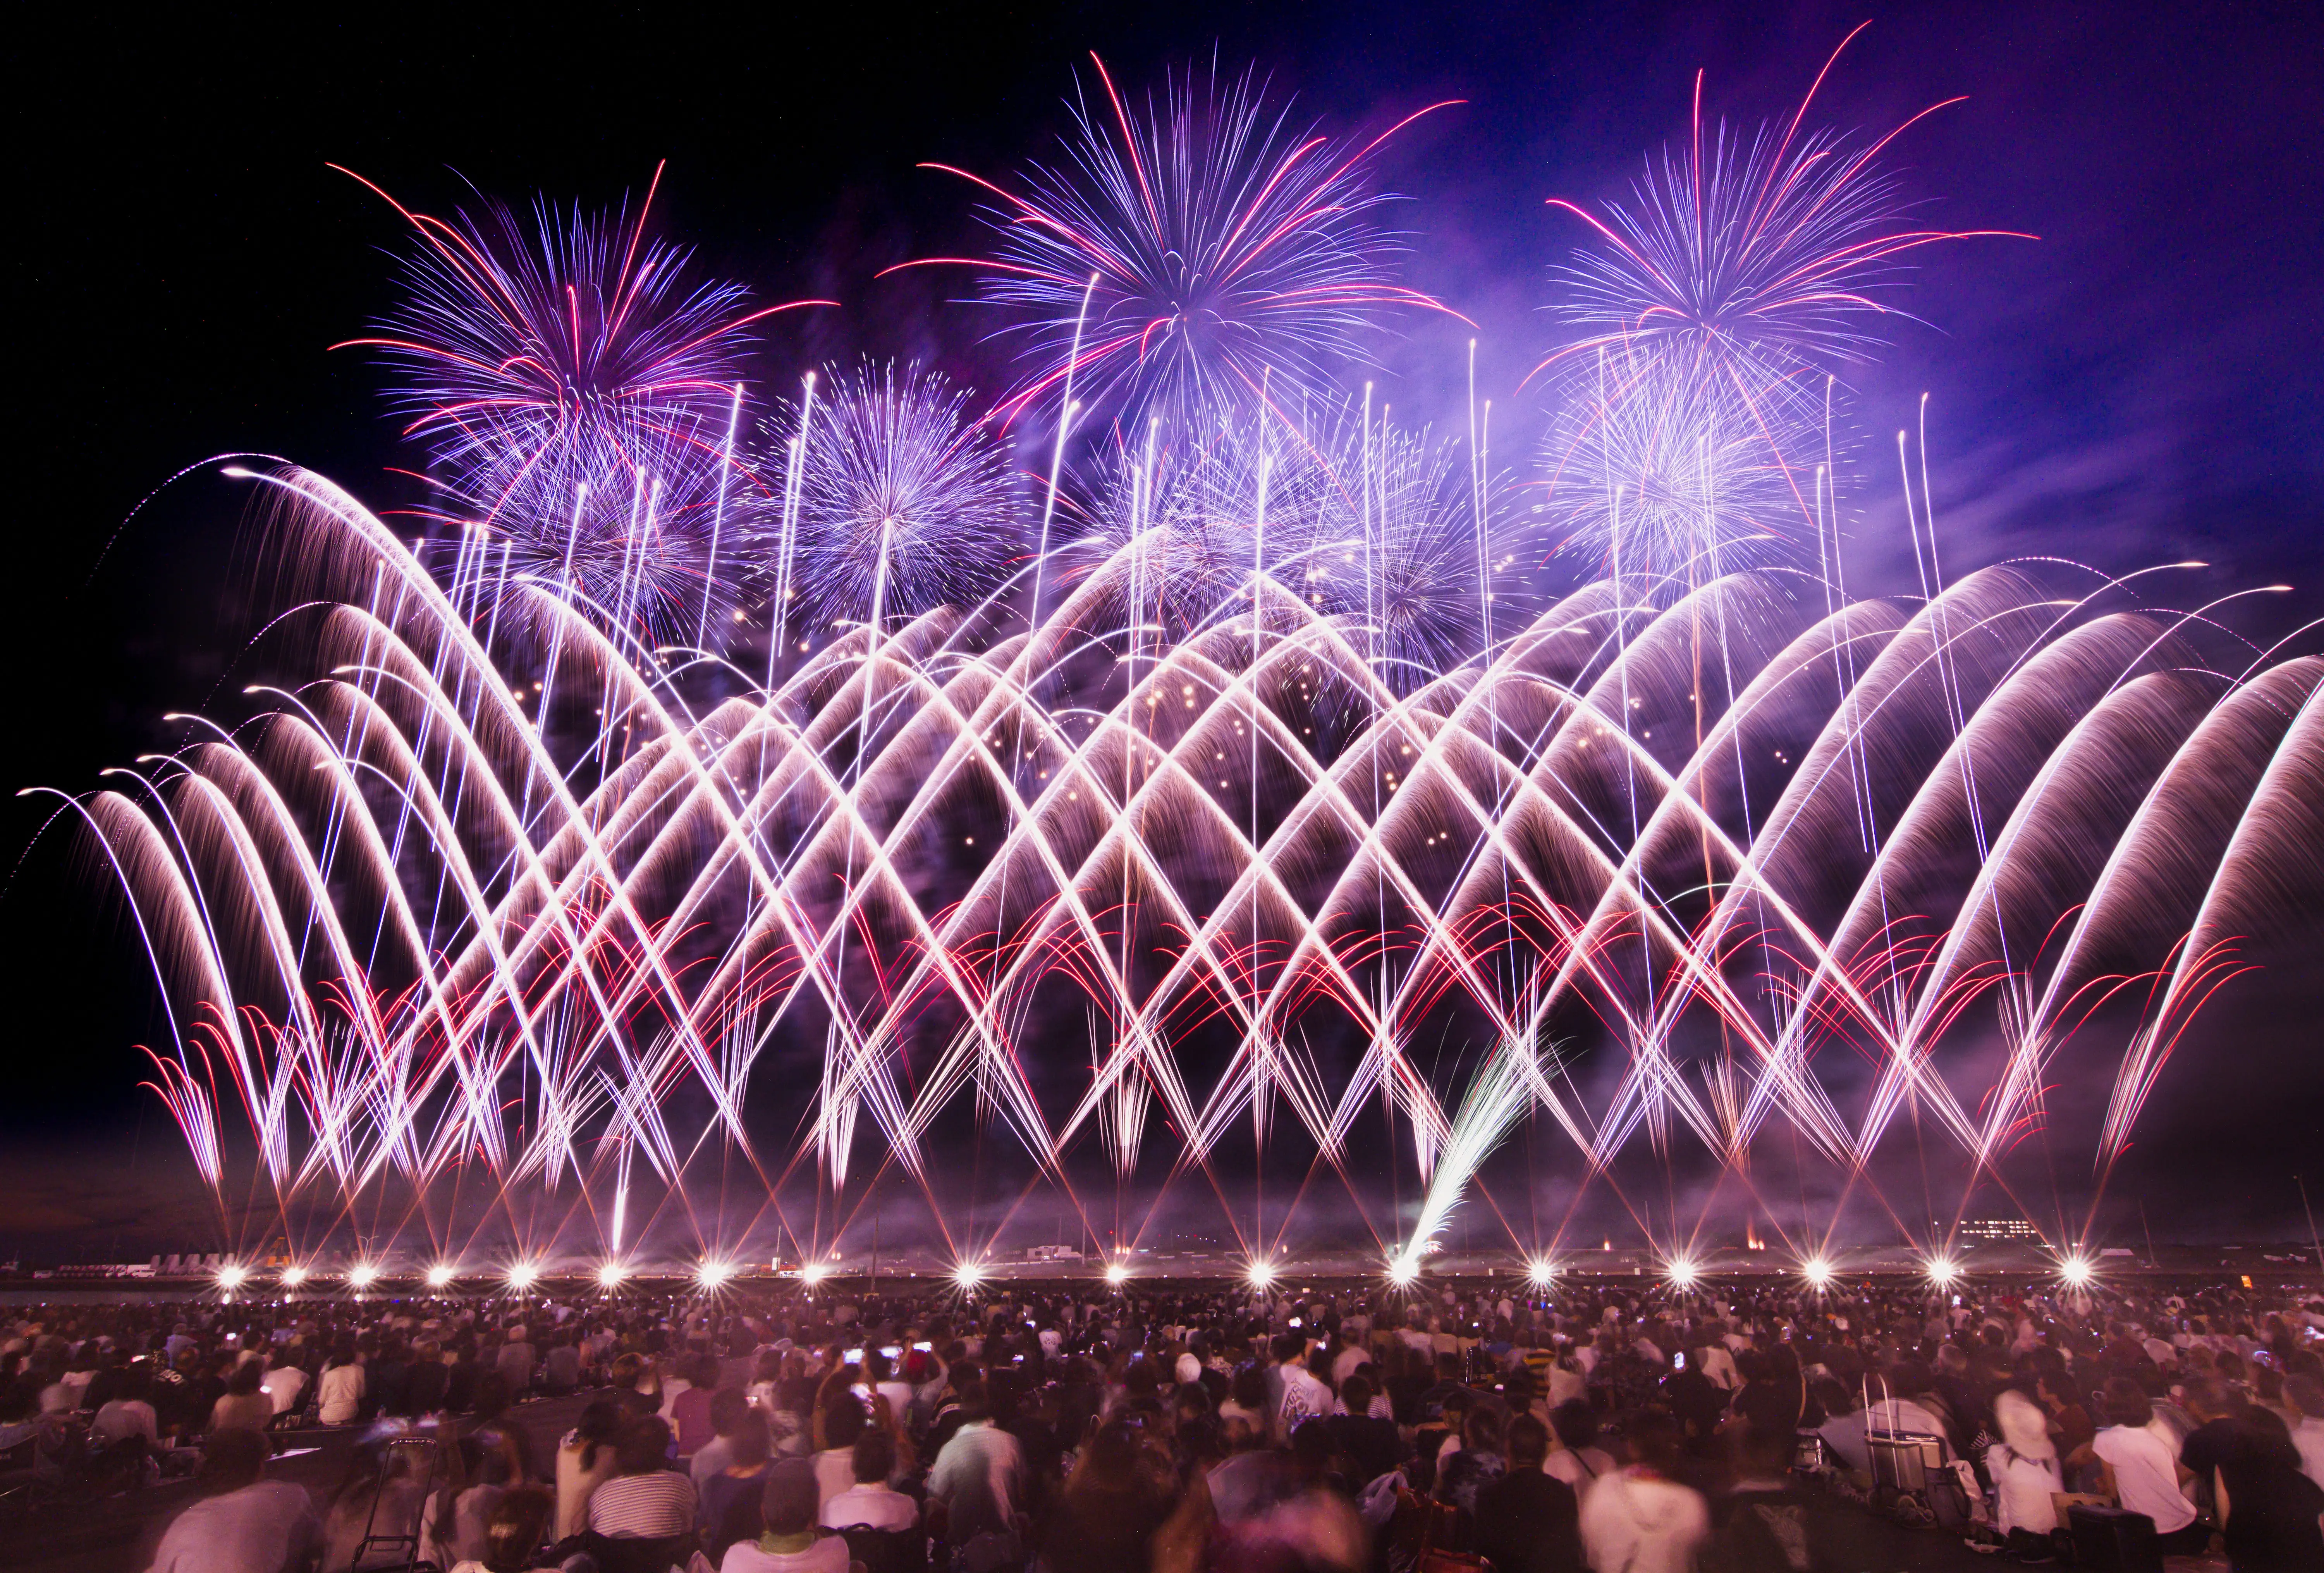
[
  {"x": 869, "y": 1503},
  {"x": 792, "y": 1543}
]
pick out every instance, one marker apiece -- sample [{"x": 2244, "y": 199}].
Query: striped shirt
[{"x": 648, "y": 1507}]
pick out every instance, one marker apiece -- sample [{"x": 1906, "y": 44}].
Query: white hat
[{"x": 2023, "y": 1425}]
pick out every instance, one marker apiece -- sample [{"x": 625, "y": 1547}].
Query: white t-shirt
[
  {"x": 2307, "y": 1436},
  {"x": 264, "y": 1527},
  {"x": 2145, "y": 1475},
  {"x": 834, "y": 1472},
  {"x": 339, "y": 1396},
  {"x": 2023, "y": 1486},
  {"x": 1304, "y": 1398},
  {"x": 1636, "y": 1522},
  {"x": 827, "y": 1555},
  {"x": 284, "y": 1384},
  {"x": 870, "y": 1507},
  {"x": 124, "y": 1417}
]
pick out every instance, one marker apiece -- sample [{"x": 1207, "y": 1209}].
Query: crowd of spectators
[{"x": 1615, "y": 1426}]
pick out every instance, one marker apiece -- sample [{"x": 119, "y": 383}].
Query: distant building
[{"x": 2000, "y": 1231}]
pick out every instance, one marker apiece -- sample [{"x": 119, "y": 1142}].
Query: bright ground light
[
  {"x": 2077, "y": 1271},
  {"x": 609, "y": 1276},
  {"x": 1682, "y": 1274},
  {"x": 1817, "y": 1272},
  {"x": 439, "y": 1275},
  {"x": 1117, "y": 1274},
  {"x": 814, "y": 1272},
  {"x": 712, "y": 1274},
  {"x": 1260, "y": 1274},
  {"x": 292, "y": 1277},
  {"x": 521, "y": 1275},
  {"x": 1402, "y": 1272},
  {"x": 1540, "y": 1274},
  {"x": 968, "y": 1274},
  {"x": 1942, "y": 1272},
  {"x": 231, "y": 1276},
  {"x": 361, "y": 1274}
]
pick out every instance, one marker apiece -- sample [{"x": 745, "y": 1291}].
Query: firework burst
[
  {"x": 1194, "y": 522},
  {"x": 1714, "y": 308},
  {"x": 905, "y": 502},
  {"x": 568, "y": 382},
  {"x": 1670, "y": 480},
  {"x": 1753, "y": 257},
  {"x": 1200, "y": 258}
]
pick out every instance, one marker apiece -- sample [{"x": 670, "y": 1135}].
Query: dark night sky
[{"x": 2139, "y": 385}]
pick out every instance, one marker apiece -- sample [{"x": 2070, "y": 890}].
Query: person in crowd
[
  {"x": 285, "y": 1384},
  {"x": 2268, "y": 1511},
  {"x": 1477, "y": 1465},
  {"x": 126, "y": 1413},
  {"x": 644, "y": 1499},
  {"x": 560, "y": 1367},
  {"x": 1640, "y": 1518},
  {"x": 1051, "y": 1422},
  {"x": 1528, "y": 1521},
  {"x": 1578, "y": 1459},
  {"x": 2023, "y": 1468},
  {"x": 980, "y": 1476},
  {"x": 870, "y": 1503},
  {"x": 792, "y": 1542},
  {"x": 515, "y": 1533},
  {"x": 690, "y": 1412},
  {"x": 1112, "y": 1503},
  {"x": 2307, "y": 1396},
  {"x": 2137, "y": 1470},
  {"x": 728, "y": 1405},
  {"x": 585, "y": 1458},
  {"x": 241, "y": 1522},
  {"x": 462, "y": 1518},
  {"x": 1762, "y": 1522},
  {"x": 339, "y": 1392},
  {"x": 514, "y": 1361},
  {"x": 731, "y": 1498},
  {"x": 245, "y": 1405},
  {"x": 424, "y": 1388},
  {"x": 1370, "y": 1442},
  {"x": 843, "y": 1421}
]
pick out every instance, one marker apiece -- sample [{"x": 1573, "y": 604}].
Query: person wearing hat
[{"x": 2024, "y": 1466}]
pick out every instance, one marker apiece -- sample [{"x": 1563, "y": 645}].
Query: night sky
[{"x": 2138, "y": 385}]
